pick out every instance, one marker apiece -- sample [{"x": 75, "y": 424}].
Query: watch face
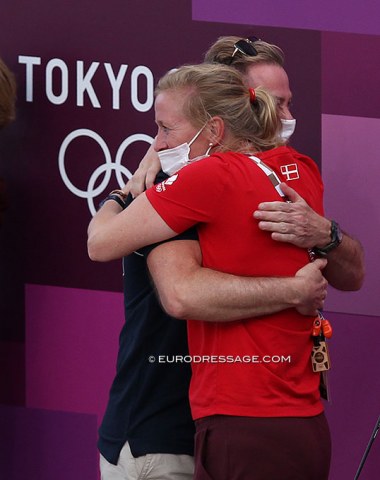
[
  {"x": 336, "y": 238},
  {"x": 336, "y": 233}
]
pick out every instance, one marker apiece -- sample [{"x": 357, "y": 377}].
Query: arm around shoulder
[
  {"x": 114, "y": 232},
  {"x": 189, "y": 291}
]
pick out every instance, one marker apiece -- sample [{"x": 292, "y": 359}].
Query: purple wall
[
  {"x": 339, "y": 16},
  {"x": 60, "y": 314}
]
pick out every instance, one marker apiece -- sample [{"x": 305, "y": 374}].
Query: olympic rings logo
[{"x": 105, "y": 168}]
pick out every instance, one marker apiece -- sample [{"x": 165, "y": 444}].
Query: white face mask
[
  {"x": 173, "y": 159},
  {"x": 288, "y": 127}
]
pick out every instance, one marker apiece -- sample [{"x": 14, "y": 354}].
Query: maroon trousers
[{"x": 251, "y": 448}]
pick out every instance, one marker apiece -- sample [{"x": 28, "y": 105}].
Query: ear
[{"x": 216, "y": 130}]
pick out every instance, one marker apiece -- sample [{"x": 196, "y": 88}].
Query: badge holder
[{"x": 320, "y": 359}]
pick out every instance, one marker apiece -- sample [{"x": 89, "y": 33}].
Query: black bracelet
[{"x": 115, "y": 198}]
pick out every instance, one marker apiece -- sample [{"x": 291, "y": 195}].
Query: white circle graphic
[{"x": 106, "y": 168}]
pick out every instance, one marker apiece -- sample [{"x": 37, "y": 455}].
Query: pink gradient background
[{"x": 61, "y": 314}]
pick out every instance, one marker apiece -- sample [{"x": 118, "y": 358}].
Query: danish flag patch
[{"x": 290, "y": 171}]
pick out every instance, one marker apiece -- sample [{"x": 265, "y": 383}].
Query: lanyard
[
  {"x": 275, "y": 181},
  {"x": 272, "y": 175}
]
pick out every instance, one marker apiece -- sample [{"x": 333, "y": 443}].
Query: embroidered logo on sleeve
[
  {"x": 290, "y": 171},
  {"x": 161, "y": 187}
]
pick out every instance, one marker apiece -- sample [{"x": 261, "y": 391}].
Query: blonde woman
[{"x": 253, "y": 390}]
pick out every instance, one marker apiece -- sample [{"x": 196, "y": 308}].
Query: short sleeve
[
  {"x": 190, "y": 234},
  {"x": 192, "y": 195}
]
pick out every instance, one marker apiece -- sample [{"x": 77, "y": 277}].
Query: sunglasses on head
[{"x": 245, "y": 47}]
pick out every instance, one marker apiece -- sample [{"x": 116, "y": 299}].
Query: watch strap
[
  {"x": 116, "y": 198},
  {"x": 336, "y": 239}
]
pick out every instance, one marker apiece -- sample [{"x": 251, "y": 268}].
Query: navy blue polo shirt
[{"x": 148, "y": 403}]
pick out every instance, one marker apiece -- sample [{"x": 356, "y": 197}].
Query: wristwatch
[{"x": 336, "y": 239}]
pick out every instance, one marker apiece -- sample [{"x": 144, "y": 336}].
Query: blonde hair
[
  {"x": 211, "y": 90},
  {"x": 222, "y": 50},
  {"x": 7, "y": 95}
]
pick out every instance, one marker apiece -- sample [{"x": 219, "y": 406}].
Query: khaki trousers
[{"x": 153, "y": 466}]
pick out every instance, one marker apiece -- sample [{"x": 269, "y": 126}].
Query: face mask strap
[{"x": 197, "y": 135}]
